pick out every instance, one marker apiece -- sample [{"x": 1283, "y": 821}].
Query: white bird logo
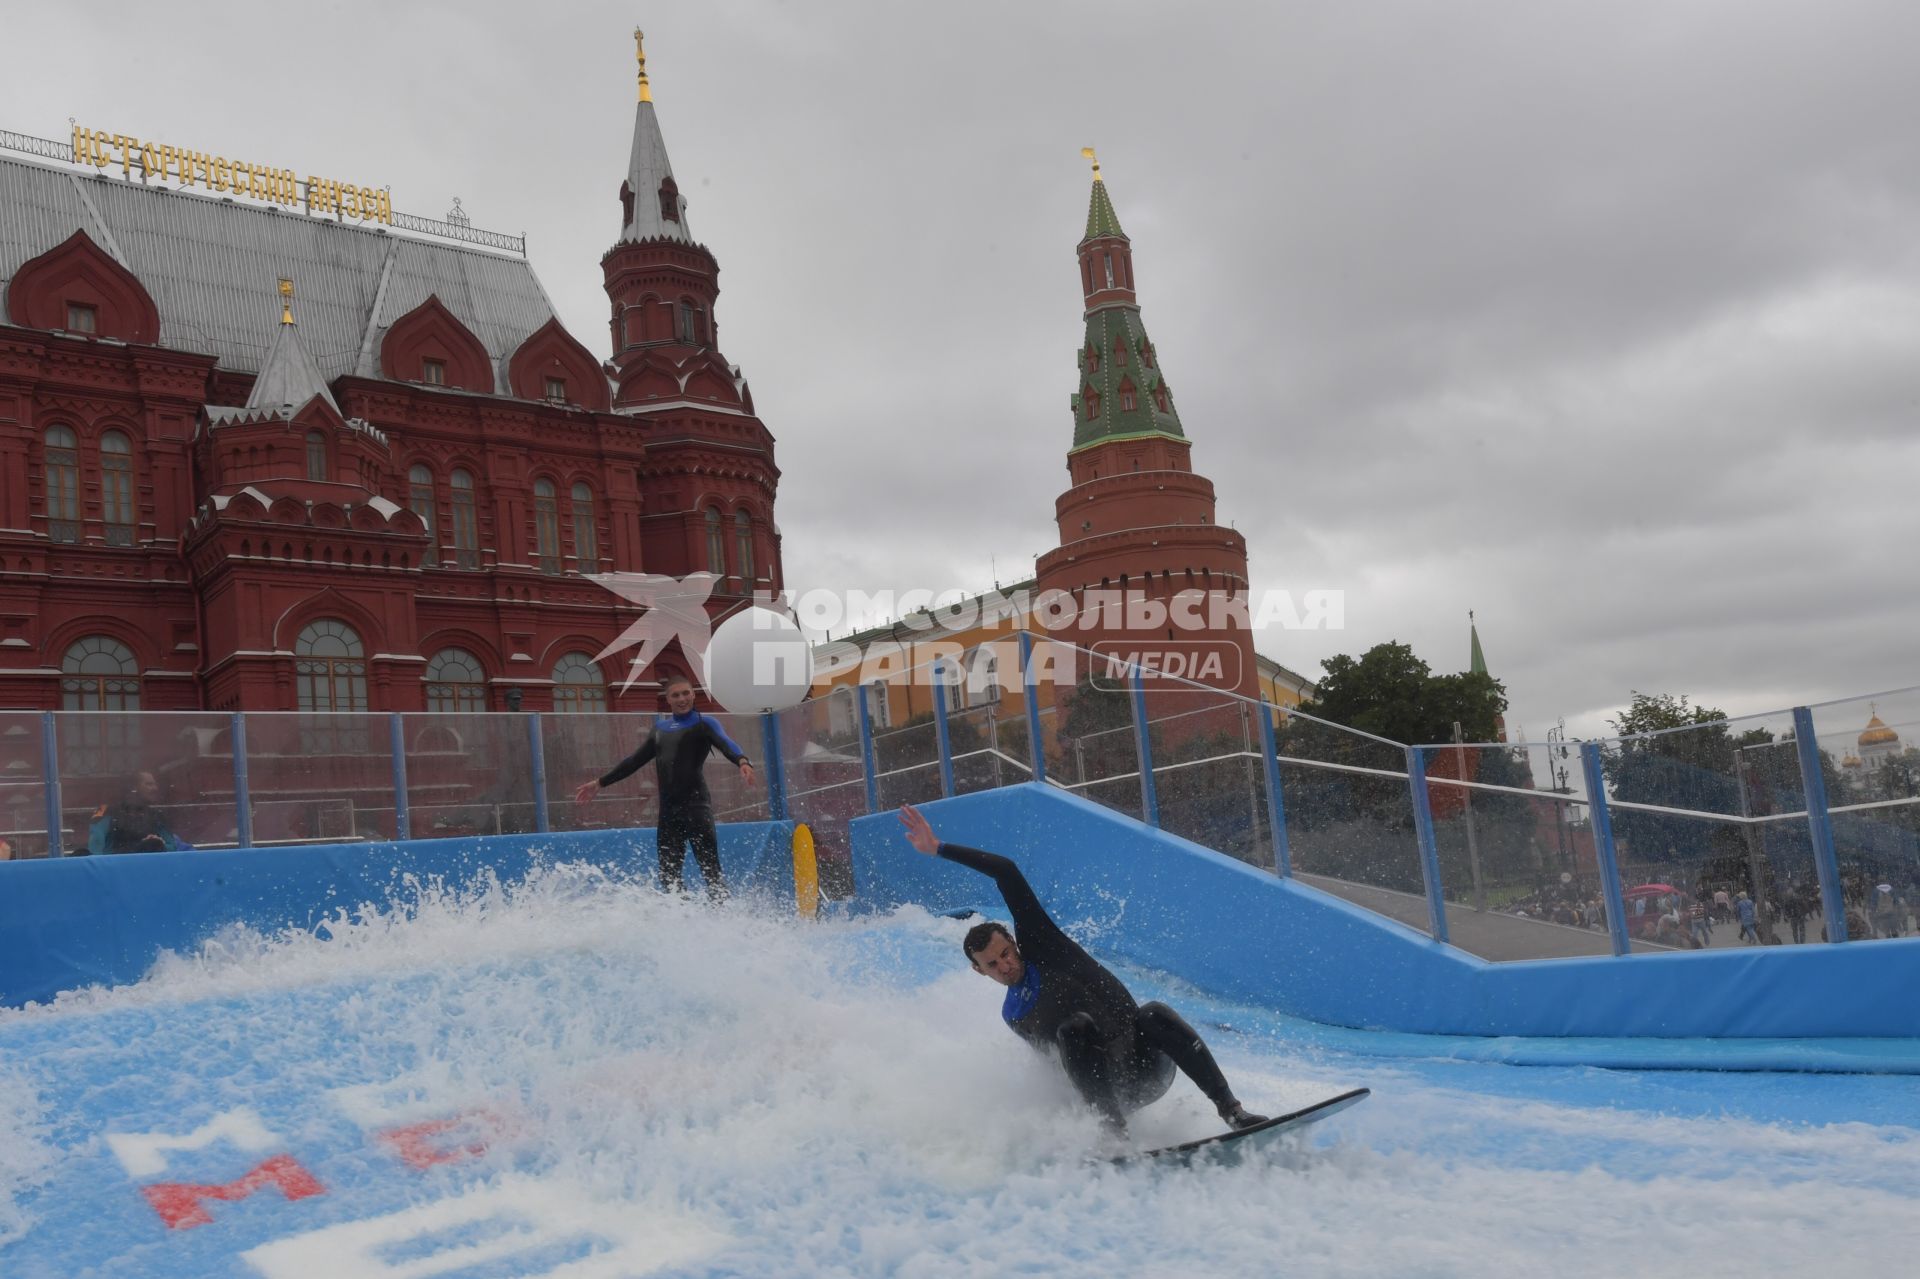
[{"x": 676, "y": 608}]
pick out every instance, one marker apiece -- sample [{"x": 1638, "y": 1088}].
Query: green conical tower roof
[
  {"x": 1101, "y": 219},
  {"x": 1477, "y": 661},
  {"x": 1129, "y": 395},
  {"x": 1122, "y": 391}
]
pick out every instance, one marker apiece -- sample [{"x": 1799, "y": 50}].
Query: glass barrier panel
[
  {"x": 1091, "y": 746},
  {"x": 136, "y": 781},
  {"x": 468, "y": 774},
  {"x": 1713, "y": 816},
  {"x": 981, "y": 760},
  {"x": 1301, "y": 737},
  {"x": 1871, "y": 763},
  {"x": 733, "y": 799},
  {"x": 1518, "y": 863},
  {"x": 585, "y": 747},
  {"x": 826, "y": 783},
  {"x": 1209, "y": 777},
  {"x": 906, "y": 748},
  {"x": 23, "y": 800},
  {"x": 320, "y": 778},
  {"x": 1351, "y": 834}
]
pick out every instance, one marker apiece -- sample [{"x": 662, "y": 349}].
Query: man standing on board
[
  {"x": 678, "y": 745},
  {"x": 1120, "y": 1055}
]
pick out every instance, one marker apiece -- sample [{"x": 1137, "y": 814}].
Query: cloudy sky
[{"x": 1602, "y": 320}]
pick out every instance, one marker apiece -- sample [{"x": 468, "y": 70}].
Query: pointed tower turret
[
  {"x": 1123, "y": 391},
  {"x": 1477, "y": 665},
  {"x": 650, "y": 199},
  {"x": 289, "y": 378},
  {"x": 662, "y": 283},
  {"x": 710, "y": 474},
  {"x": 1137, "y": 519}
]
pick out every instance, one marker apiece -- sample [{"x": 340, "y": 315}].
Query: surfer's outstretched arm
[{"x": 1028, "y": 913}]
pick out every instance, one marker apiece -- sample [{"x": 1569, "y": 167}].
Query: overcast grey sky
[{"x": 1602, "y": 320}]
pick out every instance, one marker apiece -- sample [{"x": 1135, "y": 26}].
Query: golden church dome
[{"x": 1878, "y": 734}]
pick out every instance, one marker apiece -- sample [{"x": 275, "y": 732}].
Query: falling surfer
[{"x": 1119, "y": 1055}]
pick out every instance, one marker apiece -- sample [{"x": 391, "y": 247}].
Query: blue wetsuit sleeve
[
  {"x": 726, "y": 745},
  {"x": 634, "y": 762},
  {"x": 1029, "y": 916}
]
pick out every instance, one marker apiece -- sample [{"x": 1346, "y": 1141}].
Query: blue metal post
[
  {"x": 1826, "y": 863},
  {"x": 1276, "y": 802},
  {"x": 397, "y": 743},
  {"x": 1149, "y": 794},
  {"x": 542, "y": 821},
  {"x": 776, "y": 766},
  {"x": 1603, "y": 851},
  {"x": 1429, "y": 847},
  {"x": 242, "y": 790},
  {"x": 50, "y": 771},
  {"x": 940, "y": 727},
  {"x": 1036, "y": 745},
  {"x": 866, "y": 749}
]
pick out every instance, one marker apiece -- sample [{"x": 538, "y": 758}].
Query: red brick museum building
[{"x": 380, "y": 491}]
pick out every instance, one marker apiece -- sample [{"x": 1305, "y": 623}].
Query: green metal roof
[
  {"x": 1101, "y": 219},
  {"x": 1120, "y": 327}
]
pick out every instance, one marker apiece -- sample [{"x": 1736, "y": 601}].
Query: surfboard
[{"x": 1239, "y": 1141}]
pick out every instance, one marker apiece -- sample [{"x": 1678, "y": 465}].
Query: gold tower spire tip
[
  {"x": 640, "y": 56},
  {"x": 286, "y": 301},
  {"x": 1087, "y": 153}
]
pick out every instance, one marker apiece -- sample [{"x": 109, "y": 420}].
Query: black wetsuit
[
  {"x": 1118, "y": 1054},
  {"x": 678, "y": 746}
]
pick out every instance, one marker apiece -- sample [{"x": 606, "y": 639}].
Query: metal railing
[{"x": 1762, "y": 830}]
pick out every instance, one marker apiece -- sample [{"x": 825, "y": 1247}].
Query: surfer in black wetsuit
[
  {"x": 678, "y": 745},
  {"x": 1120, "y": 1055}
]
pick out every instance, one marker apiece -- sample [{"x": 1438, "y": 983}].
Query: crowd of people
[{"x": 1691, "y": 920}]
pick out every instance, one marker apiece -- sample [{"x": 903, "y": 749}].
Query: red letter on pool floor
[
  {"x": 178, "y": 1203},
  {"x": 416, "y": 1145}
]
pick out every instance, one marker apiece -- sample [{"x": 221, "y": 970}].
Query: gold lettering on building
[{"x": 344, "y": 200}]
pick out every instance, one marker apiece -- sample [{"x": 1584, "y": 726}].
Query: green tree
[{"x": 1389, "y": 692}]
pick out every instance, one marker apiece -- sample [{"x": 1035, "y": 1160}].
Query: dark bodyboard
[{"x": 1225, "y": 1142}]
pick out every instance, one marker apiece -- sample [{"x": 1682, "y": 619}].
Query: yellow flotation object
[{"x": 806, "y": 872}]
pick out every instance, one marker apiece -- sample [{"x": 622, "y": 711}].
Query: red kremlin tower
[{"x": 1138, "y": 520}]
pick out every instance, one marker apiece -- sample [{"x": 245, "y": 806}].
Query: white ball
[{"x": 759, "y": 661}]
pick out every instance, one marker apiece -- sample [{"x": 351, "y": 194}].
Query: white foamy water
[{"x": 776, "y": 1098}]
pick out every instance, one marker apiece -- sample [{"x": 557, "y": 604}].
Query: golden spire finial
[
  {"x": 1087, "y": 152},
  {"x": 640, "y": 56},
  {"x": 286, "y": 301}
]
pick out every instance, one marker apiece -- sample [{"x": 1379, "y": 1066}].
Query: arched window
[
  {"x": 99, "y": 673},
  {"x": 586, "y": 542},
  {"x": 1127, "y": 401},
  {"x": 1160, "y": 397},
  {"x": 466, "y": 523},
  {"x": 317, "y": 456},
  {"x": 743, "y": 547},
  {"x": 879, "y": 708},
  {"x": 116, "y": 488},
  {"x": 578, "y": 685},
  {"x": 330, "y": 667},
  {"x": 716, "y": 545},
  {"x": 63, "y": 485},
  {"x": 456, "y": 682},
  {"x": 842, "y": 716},
  {"x": 688, "y": 334},
  {"x": 1091, "y": 398},
  {"x": 420, "y": 501},
  {"x": 546, "y": 526}
]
